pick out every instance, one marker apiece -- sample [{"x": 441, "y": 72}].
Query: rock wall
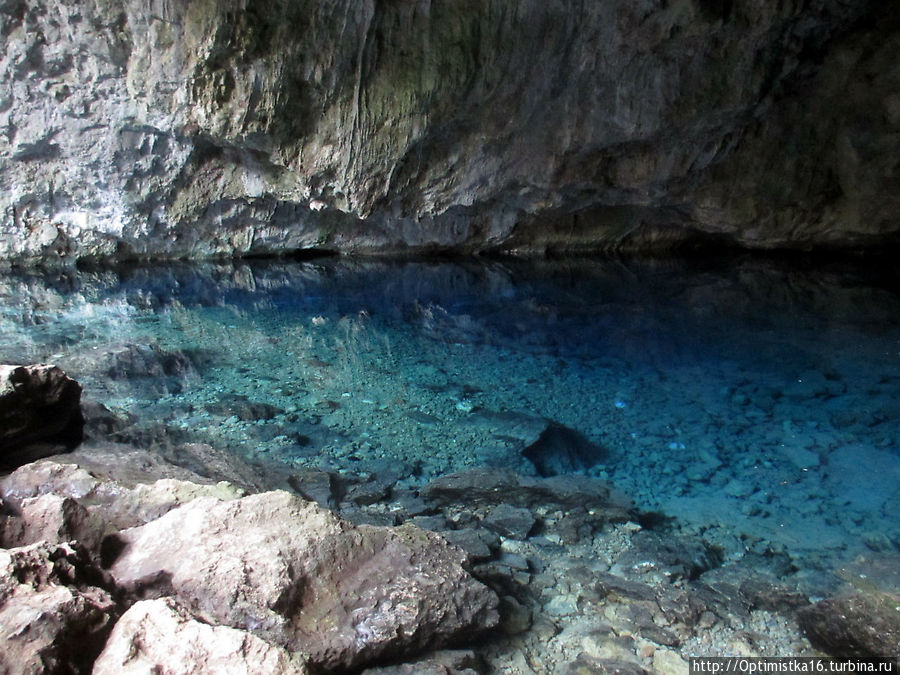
[{"x": 193, "y": 128}]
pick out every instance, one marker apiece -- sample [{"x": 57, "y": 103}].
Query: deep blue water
[{"x": 755, "y": 401}]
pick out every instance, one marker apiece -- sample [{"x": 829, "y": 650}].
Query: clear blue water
[{"x": 755, "y": 401}]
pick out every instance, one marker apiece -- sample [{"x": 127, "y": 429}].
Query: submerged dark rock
[
  {"x": 560, "y": 450},
  {"x": 860, "y": 625},
  {"x": 40, "y": 413}
]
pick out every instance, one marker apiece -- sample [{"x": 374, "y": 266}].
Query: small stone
[
  {"x": 478, "y": 544},
  {"x": 561, "y": 605},
  {"x": 515, "y": 617},
  {"x": 509, "y": 521}
]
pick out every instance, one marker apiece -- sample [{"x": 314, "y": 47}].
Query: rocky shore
[{"x": 119, "y": 560}]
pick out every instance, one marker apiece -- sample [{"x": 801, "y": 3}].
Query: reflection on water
[{"x": 755, "y": 402}]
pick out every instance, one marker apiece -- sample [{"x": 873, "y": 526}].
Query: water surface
[{"x": 755, "y": 401}]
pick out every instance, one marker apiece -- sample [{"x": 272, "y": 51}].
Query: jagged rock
[
  {"x": 679, "y": 605},
  {"x": 101, "y": 423},
  {"x": 316, "y": 486},
  {"x": 62, "y": 502},
  {"x": 479, "y": 544},
  {"x": 296, "y": 575},
  {"x": 244, "y": 409},
  {"x": 52, "y": 617},
  {"x": 208, "y": 130},
  {"x": 40, "y": 413},
  {"x": 53, "y": 519},
  {"x": 609, "y": 585},
  {"x": 144, "y": 360},
  {"x": 861, "y": 625},
  {"x": 762, "y": 593},
  {"x": 161, "y": 636}
]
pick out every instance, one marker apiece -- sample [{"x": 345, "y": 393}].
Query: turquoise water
[{"x": 756, "y": 402}]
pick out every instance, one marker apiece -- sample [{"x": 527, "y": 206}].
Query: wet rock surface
[{"x": 205, "y": 130}]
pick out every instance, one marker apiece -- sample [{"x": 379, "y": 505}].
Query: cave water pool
[{"x": 754, "y": 401}]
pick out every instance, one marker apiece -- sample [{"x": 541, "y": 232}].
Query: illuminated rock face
[{"x": 201, "y": 128}]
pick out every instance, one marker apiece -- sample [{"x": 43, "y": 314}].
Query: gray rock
[
  {"x": 244, "y": 409},
  {"x": 679, "y": 605},
  {"x": 317, "y": 486},
  {"x": 295, "y": 575},
  {"x": 677, "y": 556},
  {"x": 370, "y": 492},
  {"x": 768, "y": 594},
  {"x": 861, "y": 625},
  {"x": 40, "y": 413},
  {"x": 161, "y": 636},
  {"x": 479, "y": 544},
  {"x": 433, "y": 523},
  {"x": 52, "y": 616},
  {"x": 509, "y": 521},
  {"x": 202, "y": 131},
  {"x": 609, "y": 585}
]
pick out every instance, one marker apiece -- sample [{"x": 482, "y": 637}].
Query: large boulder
[
  {"x": 297, "y": 576},
  {"x": 40, "y": 413},
  {"x": 52, "y": 617},
  {"x": 858, "y": 625},
  {"x": 160, "y": 636}
]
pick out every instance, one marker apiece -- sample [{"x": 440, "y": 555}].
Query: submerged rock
[
  {"x": 560, "y": 450},
  {"x": 40, "y": 413},
  {"x": 299, "y": 577},
  {"x": 861, "y": 625}
]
